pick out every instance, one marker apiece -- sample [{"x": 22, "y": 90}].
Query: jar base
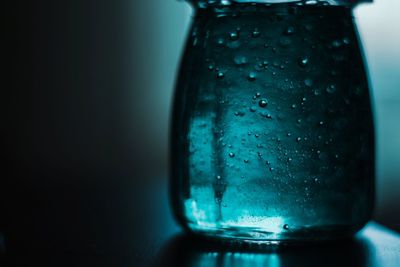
[{"x": 257, "y": 236}]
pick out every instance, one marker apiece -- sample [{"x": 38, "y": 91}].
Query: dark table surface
[{"x": 135, "y": 228}]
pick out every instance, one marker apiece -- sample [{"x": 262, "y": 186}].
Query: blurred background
[
  {"x": 378, "y": 26},
  {"x": 86, "y": 106}
]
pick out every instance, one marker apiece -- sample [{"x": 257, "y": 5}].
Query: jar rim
[{"x": 207, "y": 3}]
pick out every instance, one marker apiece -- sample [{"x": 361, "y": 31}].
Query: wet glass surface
[{"x": 272, "y": 134}]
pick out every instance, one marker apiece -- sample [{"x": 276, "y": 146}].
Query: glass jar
[{"x": 272, "y": 136}]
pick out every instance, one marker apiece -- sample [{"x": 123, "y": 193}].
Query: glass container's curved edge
[
  {"x": 207, "y": 3},
  {"x": 342, "y": 233}
]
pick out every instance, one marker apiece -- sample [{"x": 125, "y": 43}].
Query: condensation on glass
[{"x": 272, "y": 136}]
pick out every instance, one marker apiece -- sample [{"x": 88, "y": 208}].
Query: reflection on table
[{"x": 373, "y": 246}]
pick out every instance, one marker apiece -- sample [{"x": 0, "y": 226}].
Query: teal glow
[
  {"x": 272, "y": 135},
  {"x": 240, "y": 259}
]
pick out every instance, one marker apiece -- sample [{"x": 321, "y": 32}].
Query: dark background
[{"x": 85, "y": 102}]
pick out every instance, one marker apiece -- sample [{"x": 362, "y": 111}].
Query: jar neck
[{"x": 219, "y": 3}]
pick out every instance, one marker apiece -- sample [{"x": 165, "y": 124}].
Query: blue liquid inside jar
[{"x": 272, "y": 136}]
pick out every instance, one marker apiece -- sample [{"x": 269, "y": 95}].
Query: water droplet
[
  {"x": 321, "y": 123},
  {"x": 268, "y": 162},
  {"x": 256, "y": 135},
  {"x": 231, "y": 154},
  {"x": 331, "y": 89},
  {"x": 239, "y": 113},
  {"x": 195, "y": 40},
  {"x": 317, "y": 92},
  {"x": 346, "y": 40},
  {"x": 246, "y": 161},
  {"x": 293, "y": 106},
  {"x": 303, "y": 62},
  {"x": 288, "y": 134},
  {"x": 220, "y": 75},
  {"x": 311, "y": 2},
  {"x": 271, "y": 169},
  {"x": 253, "y": 108},
  {"x": 240, "y": 60},
  {"x": 268, "y": 116},
  {"x": 234, "y": 35},
  {"x": 286, "y": 226},
  {"x": 289, "y": 160},
  {"x": 316, "y": 180},
  {"x": 298, "y": 139},
  {"x": 308, "y": 82},
  {"x": 218, "y": 177},
  {"x": 257, "y": 95},
  {"x": 251, "y": 76},
  {"x": 255, "y": 33},
  {"x": 211, "y": 67},
  {"x": 289, "y": 30},
  {"x": 336, "y": 43},
  {"x": 220, "y": 41},
  {"x": 263, "y": 103}
]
